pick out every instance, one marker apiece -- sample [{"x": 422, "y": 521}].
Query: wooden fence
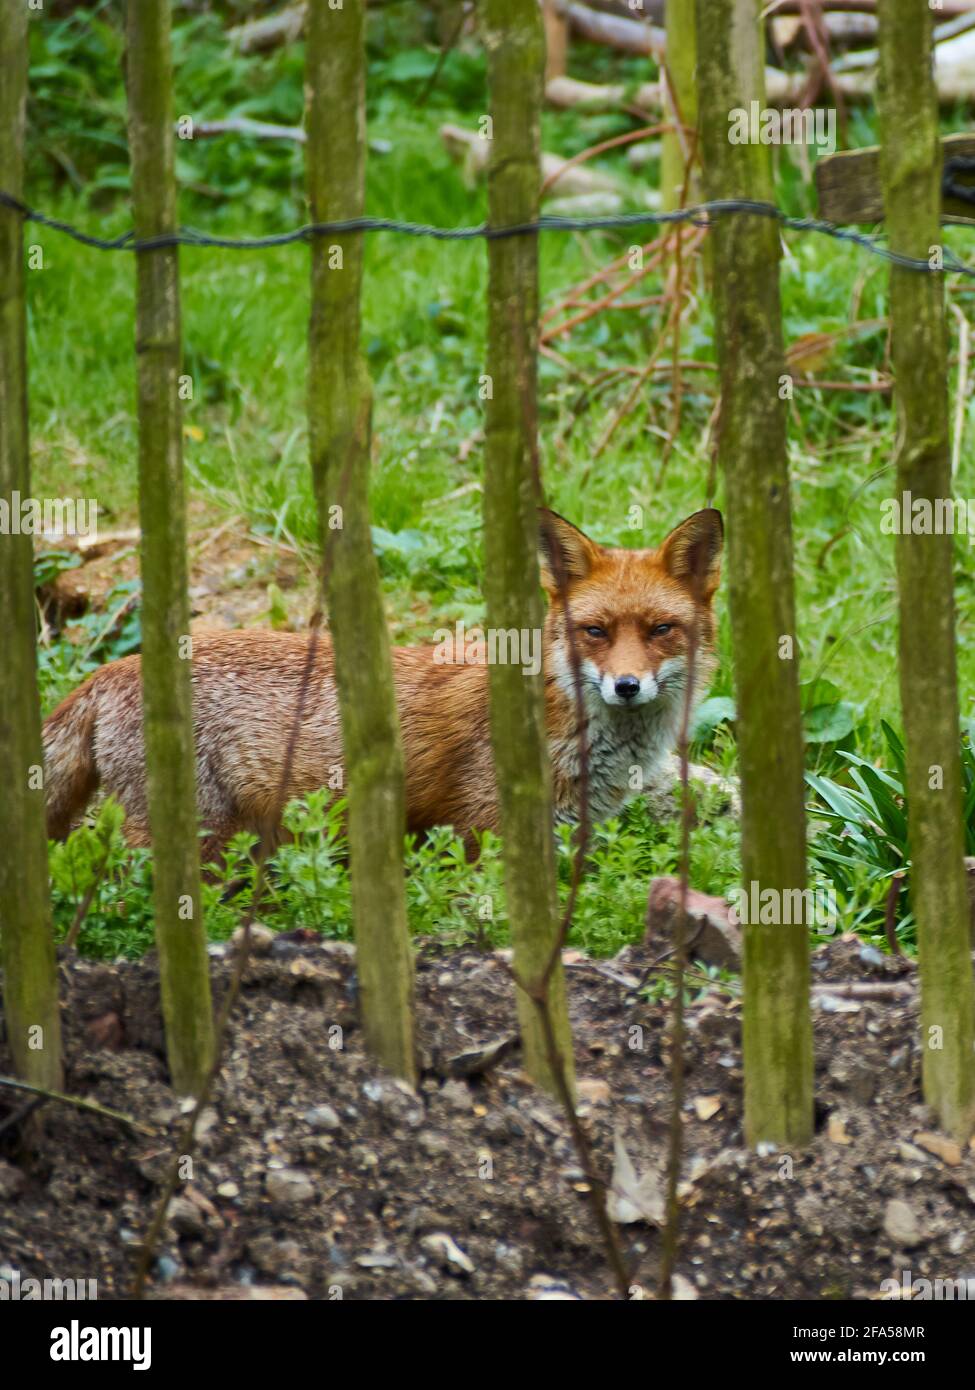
[{"x": 777, "y": 1028}]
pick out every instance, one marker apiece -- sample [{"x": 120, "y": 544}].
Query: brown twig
[
  {"x": 596, "y": 305},
  {"x": 818, "y": 36},
  {"x": 627, "y": 404},
  {"x": 446, "y": 49},
  {"x": 598, "y": 277},
  {"x": 629, "y": 138},
  {"x": 79, "y": 1103}
]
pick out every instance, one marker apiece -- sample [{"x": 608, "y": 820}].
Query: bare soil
[{"x": 318, "y": 1176}]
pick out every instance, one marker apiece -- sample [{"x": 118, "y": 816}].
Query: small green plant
[
  {"x": 862, "y": 844},
  {"x": 455, "y": 897},
  {"x": 102, "y": 889}
]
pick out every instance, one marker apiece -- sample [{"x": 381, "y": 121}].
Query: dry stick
[
  {"x": 253, "y": 130},
  {"x": 598, "y": 277},
  {"x": 646, "y": 371},
  {"x": 79, "y": 1103},
  {"x": 596, "y": 305},
  {"x": 775, "y": 7},
  {"x": 629, "y": 138},
  {"x": 671, "y": 1231},
  {"x": 813, "y": 384},
  {"x": 445, "y": 50},
  {"x": 818, "y": 36}
]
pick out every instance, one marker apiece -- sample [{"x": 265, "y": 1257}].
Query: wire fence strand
[{"x": 700, "y": 215}]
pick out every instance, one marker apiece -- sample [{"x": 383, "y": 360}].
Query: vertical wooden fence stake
[
  {"x": 911, "y": 173},
  {"x": 166, "y": 652},
  {"x": 777, "y": 1033},
  {"x": 681, "y": 88},
  {"x": 515, "y": 48},
  {"x": 339, "y": 407},
  {"x": 30, "y": 975}
]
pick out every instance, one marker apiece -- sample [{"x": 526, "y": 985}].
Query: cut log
[
  {"x": 781, "y": 88},
  {"x": 625, "y": 35},
  {"x": 253, "y": 130},
  {"x": 469, "y": 150},
  {"x": 259, "y": 35},
  {"x": 568, "y": 93}
]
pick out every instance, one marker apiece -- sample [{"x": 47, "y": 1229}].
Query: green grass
[{"x": 245, "y": 319}]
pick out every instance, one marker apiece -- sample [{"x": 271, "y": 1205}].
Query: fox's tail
[{"x": 70, "y": 774}]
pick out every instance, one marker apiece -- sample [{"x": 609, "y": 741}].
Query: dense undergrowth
[{"x": 245, "y": 328}]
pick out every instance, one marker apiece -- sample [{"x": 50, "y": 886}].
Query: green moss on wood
[
  {"x": 30, "y": 978},
  {"x": 910, "y": 169},
  {"x": 514, "y": 40},
  {"x": 166, "y": 690},
  {"x": 777, "y": 1035},
  {"x": 339, "y": 406},
  {"x": 681, "y": 69}
]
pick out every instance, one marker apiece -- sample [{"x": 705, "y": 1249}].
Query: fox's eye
[
  {"x": 595, "y": 631},
  {"x": 661, "y": 629}
]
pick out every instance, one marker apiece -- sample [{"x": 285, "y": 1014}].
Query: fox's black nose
[{"x": 626, "y": 687}]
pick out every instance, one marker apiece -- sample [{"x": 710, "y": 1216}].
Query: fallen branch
[
  {"x": 253, "y": 130},
  {"x": 867, "y": 989},
  {"x": 259, "y": 35},
  {"x": 568, "y": 93},
  {"x": 561, "y": 176},
  {"x": 625, "y": 35}
]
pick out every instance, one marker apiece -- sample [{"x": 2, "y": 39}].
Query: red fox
[{"x": 632, "y": 612}]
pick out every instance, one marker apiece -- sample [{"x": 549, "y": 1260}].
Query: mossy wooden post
[
  {"x": 167, "y": 707},
  {"x": 339, "y": 407},
  {"x": 681, "y": 60},
  {"x": 30, "y": 974},
  {"x": 911, "y": 174},
  {"x": 515, "y": 49},
  {"x": 777, "y": 1033}
]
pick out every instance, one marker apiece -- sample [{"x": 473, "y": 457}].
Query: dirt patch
[
  {"x": 318, "y": 1175},
  {"x": 231, "y": 574}
]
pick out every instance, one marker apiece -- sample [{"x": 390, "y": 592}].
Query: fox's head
[{"x": 632, "y": 612}]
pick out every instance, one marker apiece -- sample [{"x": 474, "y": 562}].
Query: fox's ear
[
  {"x": 564, "y": 553},
  {"x": 692, "y": 552}
]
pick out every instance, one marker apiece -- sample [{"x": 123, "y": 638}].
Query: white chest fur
[{"x": 625, "y": 752}]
